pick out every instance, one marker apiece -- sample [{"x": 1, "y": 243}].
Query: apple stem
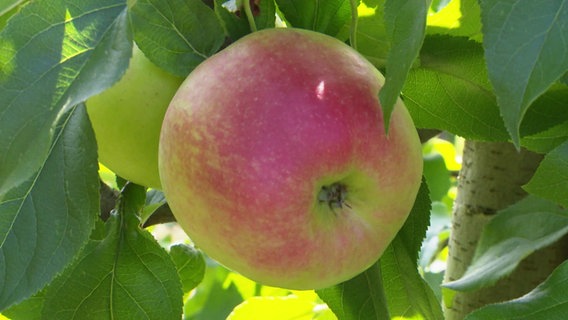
[
  {"x": 250, "y": 16},
  {"x": 334, "y": 195},
  {"x": 354, "y": 20}
]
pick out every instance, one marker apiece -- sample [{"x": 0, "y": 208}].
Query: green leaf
[
  {"x": 212, "y": 299},
  {"x": 359, "y": 298},
  {"x": 526, "y": 52},
  {"x": 433, "y": 247},
  {"x": 451, "y": 91},
  {"x": 264, "y": 13},
  {"x": 46, "y": 220},
  {"x": 327, "y": 17},
  {"x": 176, "y": 35},
  {"x": 154, "y": 200},
  {"x": 460, "y": 18},
  {"x": 545, "y": 125},
  {"x": 564, "y": 79},
  {"x": 512, "y": 235},
  {"x": 548, "y": 111},
  {"x": 126, "y": 275},
  {"x": 54, "y": 54},
  {"x": 414, "y": 229},
  {"x": 544, "y": 142},
  {"x": 445, "y": 148},
  {"x": 8, "y": 9},
  {"x": 550, "y": 180},
  {"x": 8, "y": 5},
  {"x": 437, "y": 176},
  {"x": 405, "y": 22},
  {"x": 190, "y": 265},
  {"x": 29, "y": 309},
  {"x": 234, "y": 20},
  {"x": 372, "y": 39},
  {"x": 408, "y": 294},
  {"x": 547, "y": 301}
]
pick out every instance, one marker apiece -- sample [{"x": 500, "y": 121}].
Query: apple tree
[{"x": 485, "y": 83}]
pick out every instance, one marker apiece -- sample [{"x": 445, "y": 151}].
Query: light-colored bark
[{"x": 491, "y": 178}]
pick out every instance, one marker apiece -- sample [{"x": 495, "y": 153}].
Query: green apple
[
  {"x": 127, "y": 119},
  {"x": 275, "y": 161}
]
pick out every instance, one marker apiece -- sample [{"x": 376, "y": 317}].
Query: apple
[
  {"x": 127, "y": 119},
  {"x": 274, "y": 160}
]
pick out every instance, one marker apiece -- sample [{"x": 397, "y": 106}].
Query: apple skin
[
  {"x": 127, "y": 119},
  {"x": 254, "y": 134}
]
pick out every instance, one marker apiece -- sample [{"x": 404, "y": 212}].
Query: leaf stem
[
  {"x": 250, "y": 16},
  {"x": 354, "y": 20}
]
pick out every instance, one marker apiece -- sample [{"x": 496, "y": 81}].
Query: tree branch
[
  {"x": 108, "y": 200},
  {"x": 491, "y": 179}
]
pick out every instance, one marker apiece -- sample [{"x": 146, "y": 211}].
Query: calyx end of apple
[{"x": 334, "y": 196}]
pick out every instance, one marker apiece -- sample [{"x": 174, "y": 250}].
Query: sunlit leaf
[
  {"x": 459, "y": 18},
  {"x": 446, "y": 149},
  {"x": 372, "y": 39},
  {"x": 212, "y": 299},
  {"x": 280, "y": 308},
  {"x": 53, "y": 55},
  {"x": 451, "y": 91},
  {"x": 29, "y": 309}
]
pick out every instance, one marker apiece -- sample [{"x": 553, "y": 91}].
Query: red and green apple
[{"x": 275, "y": 161}]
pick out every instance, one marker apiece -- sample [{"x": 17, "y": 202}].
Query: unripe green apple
[
  {"x": 127, "y": 119},
  {"x": 275, "y": 161}
]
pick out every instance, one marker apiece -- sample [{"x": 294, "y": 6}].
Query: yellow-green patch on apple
[{"x": 127, "y": 119}]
